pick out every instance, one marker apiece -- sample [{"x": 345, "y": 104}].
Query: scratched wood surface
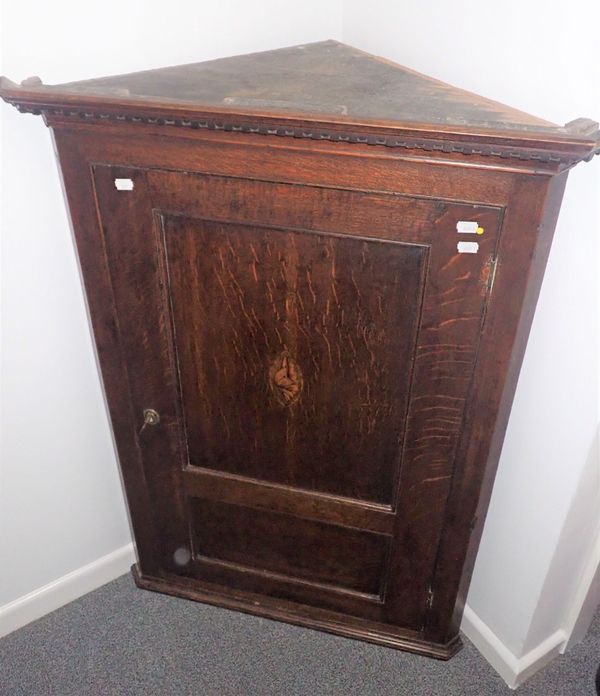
[
  {"x": 307, "y": 79},
  {"x": 341, "y": 312}
]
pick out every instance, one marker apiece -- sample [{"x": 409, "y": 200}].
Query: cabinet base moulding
[{"x": 308, "y": 617}]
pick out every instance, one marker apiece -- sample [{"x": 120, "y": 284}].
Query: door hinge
[
  {"x": 429, "y": 598},
  {"x": 488, "y": 284},
  {"x": 492, "y": 274}
]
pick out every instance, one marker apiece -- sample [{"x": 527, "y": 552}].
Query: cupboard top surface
[
  {"x": 327, "y": 78},
  {"x": 321, "y": 83}
]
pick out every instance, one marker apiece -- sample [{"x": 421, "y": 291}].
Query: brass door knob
[{"x": 151, "y": 417}]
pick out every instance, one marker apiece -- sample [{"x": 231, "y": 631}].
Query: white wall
[
  {"x": 534, "y": 56},
  {"x": 61, "y": 504}
]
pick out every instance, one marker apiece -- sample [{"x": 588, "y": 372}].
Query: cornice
[{"x": 580, "y": 141}]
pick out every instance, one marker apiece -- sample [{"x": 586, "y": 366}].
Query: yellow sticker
[{"x": 479, "y": 230}]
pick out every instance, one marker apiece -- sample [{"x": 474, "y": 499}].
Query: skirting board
[
  {"x": 514, "y": 670},
  {"x": 586, "y": 599},
  {"x": 56, "y": 594}
]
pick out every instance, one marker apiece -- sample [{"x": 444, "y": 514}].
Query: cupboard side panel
[
  {"x": 525, "y": 244},
  {"x": 93, "y": 265}
]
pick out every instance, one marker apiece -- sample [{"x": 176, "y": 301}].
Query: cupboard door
[{"x": 309, "y": 352}]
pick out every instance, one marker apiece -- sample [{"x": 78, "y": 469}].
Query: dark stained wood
[
  {"x": 306, "y": 299},
  {"x": 302, "y": 615},
  {"x": 534, "y": 205},
  {"x": 272, "y": 542},
  {"x": 333, "y": 379},
  {"x": 310, "y": 505},
  {"x": 345, "y": 307}
]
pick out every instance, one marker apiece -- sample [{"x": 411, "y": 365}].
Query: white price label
[
  {"x": 467, "y": 247},
  {"x": 467, "y": 227},
  {"x": 124, "y": 184}
]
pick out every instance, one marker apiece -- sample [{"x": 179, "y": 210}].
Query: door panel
[
  {"x": 284, "y": 544},
  {"x": 295, "y": 352},
  {"x": 310, "y": 352}
]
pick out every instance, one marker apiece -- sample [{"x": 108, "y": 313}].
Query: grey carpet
[{"x": 123, "y": 641}]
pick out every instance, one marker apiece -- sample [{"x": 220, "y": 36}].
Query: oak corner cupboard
[{"x": 311, "y": 274}]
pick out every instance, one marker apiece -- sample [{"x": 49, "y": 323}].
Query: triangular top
[
  {"x": 327, "y": 78},
  {"x": 326, "y": 83}
]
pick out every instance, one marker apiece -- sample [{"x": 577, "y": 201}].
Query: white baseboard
[
  {"x": 514, "y": 670},
  {"x": 586, "y": 599},
  {"x": 56, "y": 594}
]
